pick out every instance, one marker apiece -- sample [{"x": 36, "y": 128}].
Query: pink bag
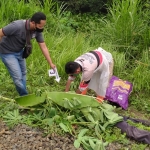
[{"x": 118, "y": 91}]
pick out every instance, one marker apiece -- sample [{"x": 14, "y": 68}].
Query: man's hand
[
  {"x": 52, "y": 65},
  {"x": 78, "y": 91},
  {"x": 68, "y": 85}
]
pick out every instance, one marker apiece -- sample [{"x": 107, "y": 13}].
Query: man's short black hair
[
  {"x": 71, "y": 67},
  {"x": 38, "y": 16}
]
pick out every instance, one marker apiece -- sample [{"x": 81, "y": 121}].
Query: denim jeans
[{"x": 16, "y": 66}]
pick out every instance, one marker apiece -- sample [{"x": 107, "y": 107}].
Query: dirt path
[{"x": 23, "y": 137}]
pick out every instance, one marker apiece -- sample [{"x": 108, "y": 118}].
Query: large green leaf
[
  {"x": 30, "y": 100},
  {"x": 62, "y": 97}
]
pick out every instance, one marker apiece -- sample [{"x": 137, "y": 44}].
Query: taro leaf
[
  {"x": 64, "y": 127},
  {"x": 30, "y": 100},
  {"x": 77, "y": 143}
]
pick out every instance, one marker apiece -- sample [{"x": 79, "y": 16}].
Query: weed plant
[{"x": 128, "y": 26}]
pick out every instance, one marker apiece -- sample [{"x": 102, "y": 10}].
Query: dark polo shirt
[{"x": 15, "y": 37}]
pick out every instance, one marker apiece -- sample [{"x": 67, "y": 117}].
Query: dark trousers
[{"x": 133, "y": 132}]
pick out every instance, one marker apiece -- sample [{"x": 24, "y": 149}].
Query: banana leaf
[
  {"x": 83, "y": 100},
  {"x": 30, "y": 100},
  {"x": 74, "y": 100}
]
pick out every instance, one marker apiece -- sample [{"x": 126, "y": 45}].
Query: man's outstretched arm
[{"x": 68, "y": 85}]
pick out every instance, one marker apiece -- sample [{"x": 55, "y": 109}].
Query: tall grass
[
  {"x": 127, "y": 27},
  {"x": 141, "y": 72},
  {"x": 123, "y": 33},
  {"x": 13, "y": 10},
  {"x": 62, "y": 48}
]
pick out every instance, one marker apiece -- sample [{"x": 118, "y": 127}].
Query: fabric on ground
[{"x": 133, "y": 132}]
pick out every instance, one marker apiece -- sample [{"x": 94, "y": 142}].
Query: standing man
[
  {"x": 12, "y": 43},
  {"x": 96, "y": 68}
]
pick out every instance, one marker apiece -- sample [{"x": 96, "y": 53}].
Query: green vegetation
[{"x": 124, "y": 31}]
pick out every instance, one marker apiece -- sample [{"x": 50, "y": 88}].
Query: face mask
[
  {"x": 39, "y": 30},
  {"x": 74, "y": 75}
]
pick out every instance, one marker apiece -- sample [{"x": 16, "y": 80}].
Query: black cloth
[{"x": 133, "y": 132}]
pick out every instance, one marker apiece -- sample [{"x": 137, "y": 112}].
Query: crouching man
[{"x": 96, "y": 67}]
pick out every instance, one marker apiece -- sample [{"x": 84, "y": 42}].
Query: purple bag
[{"x": 118, "y": 91}]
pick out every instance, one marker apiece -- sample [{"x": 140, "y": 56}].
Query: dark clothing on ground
[{"x": 133, "y": 132}]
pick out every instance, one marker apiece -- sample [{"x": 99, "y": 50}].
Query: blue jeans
[{"x": 16, "y": 66}]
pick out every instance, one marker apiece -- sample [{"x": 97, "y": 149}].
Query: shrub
[{"x": 93, "y": 6}]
